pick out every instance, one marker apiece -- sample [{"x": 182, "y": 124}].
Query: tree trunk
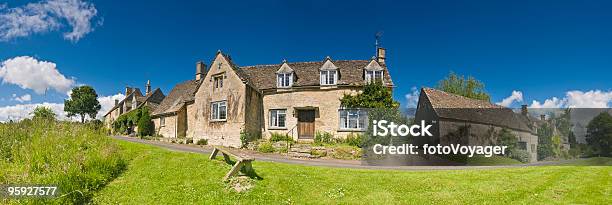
[{"x": 82, "y": 118}]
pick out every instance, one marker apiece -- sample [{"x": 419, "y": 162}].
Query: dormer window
[
  {"x": 284, "y": 76},
  {"x": 284, "y": 80},
  {"x": 374, "y": 75},
  {"x": 373, "y": 72},
  {"x": 329, "y": 77},
  {"x": 329, "y": 73}
]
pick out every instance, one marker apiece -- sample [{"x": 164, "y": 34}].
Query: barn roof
[{"x": 451, "y": 106}]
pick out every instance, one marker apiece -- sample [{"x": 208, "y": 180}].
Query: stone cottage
[
  {"x": 294, "y": 98},
  {"x": 134, "y": 99},
  {"x": 460, "y": 120}
]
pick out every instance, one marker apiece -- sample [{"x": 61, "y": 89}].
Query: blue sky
[{"x": 544, "y": 49}]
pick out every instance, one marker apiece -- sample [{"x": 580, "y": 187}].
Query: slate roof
[
  {"x": 178, "y": 96},
  {"x": 351, "y": 72},
  {"x": 451, "y": 106},
  {"x": 153, "y": 99}
]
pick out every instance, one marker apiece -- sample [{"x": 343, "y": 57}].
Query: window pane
[
  {"x": 214, "y": 111},
  {"x": 323, "y": 77},
  {"x": 353, "y": 116},
  {"x": 281, "y": 119},
  {"x": 222, "y": 110},
  {"x": 378, "y": 75},
  {"x": 286, "y": 80},
  {"x": 273, "y": 120},
  {"x": 331, "y": 77},
  {"x": 343, "y": 119},
  {"x": 279, "y": 80}
]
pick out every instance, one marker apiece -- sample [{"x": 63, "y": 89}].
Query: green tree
[
  {"x": 83, "y": 102},
  {"x": 374, "y": 95},
  {"x": 145, "y": 124},
  {"x": 42, "y": 112},
  {"x": 599, "y": 134},
  {"x": 506, "y": 138},
  {"x": 459, "y": 85}
]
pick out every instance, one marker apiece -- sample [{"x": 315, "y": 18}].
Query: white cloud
[
  {"x": 22, "y": 111},
  {"x": 590, "y": 99},
  {"x": 108, "y": 102},
  {"x": 578, "y": 99},
  {"x": 29, "y": 73},
  {"x": 517, "y": 96},
  {"x": 23, "y": 98},
  {"x": 45, "y": 16},
  {"x": 412, "y": 98},
  {"x": 548, "y": 103}
]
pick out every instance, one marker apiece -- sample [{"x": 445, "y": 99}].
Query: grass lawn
[{"x": 159, "y": 176}]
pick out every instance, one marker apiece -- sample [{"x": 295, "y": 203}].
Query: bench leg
[
  {"x": 214, "y": 153},
  {"x": 234, "y": 170},
  {"x": 248, "y": 169},
  {"x": 227, "y": 158}
]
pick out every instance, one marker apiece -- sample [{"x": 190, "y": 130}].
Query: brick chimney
[
  {"x": 380, "y": 55},
  {"x": 542, "y": 117},
  {"x": 200, "y": 70},
  {"x": 128, "y": 90},
  {"x": 524, "y": 110},
  {"x": 148, "y": 88}
]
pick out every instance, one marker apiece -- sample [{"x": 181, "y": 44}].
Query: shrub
[
  {"x": 145, "y": 124},
  {"x": 323, "y": 138},
  {"x": 189, "y": 141},
  {"x": 276, "y": 137},
  {"x": 520, "y": 155},
  {"x": 354, "y": 140},
  {"x": 265, "y": 147},
  {"x": 346, "y": 152},
  {"x": 245, "y": 138},
  {"x": 41, "y": 112},
  {"x": 202, "y": 142}
]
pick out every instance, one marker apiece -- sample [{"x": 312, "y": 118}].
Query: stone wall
[
  {"x": 227, "y": 132},
  {"x": 191, "y": 120},
  {"x": 327, "y": 102},
  {"x": 169, "y": 128},
  {"x": 483, "y": 134}
]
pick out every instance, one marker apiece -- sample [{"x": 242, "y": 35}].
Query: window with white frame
[
  {"x": 374, "y": 75},
  {"x": 278, "y": 118},
  {"x": 284, "y": 80},
  {"x": 218, "y": 81},
  {"x": 329, "y": 77},
  {"x": 353, "y": 119},
  {"x": 162, "y": 121},
  {"x": 218, "y": 110}
]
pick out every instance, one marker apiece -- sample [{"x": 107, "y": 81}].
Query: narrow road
[{"x": 354, "y": 164}]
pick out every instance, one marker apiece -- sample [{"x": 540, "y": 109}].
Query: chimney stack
[
  {"x": 128, "y": 91},
  {"x": 148, "y": 87},
  {"x": 542, "y": 117},
  {"x": 380, "y": 55},
  {"x": 524, "y": 110},
  {"x": 200, "y": 70},
  {"x": 116, "y": 102}
]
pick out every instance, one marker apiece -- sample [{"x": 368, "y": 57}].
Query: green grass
[
  {"x": 491, "y": 161},
  {"x": 159, "y": 176},
  {"x": 78, "y": 158}
]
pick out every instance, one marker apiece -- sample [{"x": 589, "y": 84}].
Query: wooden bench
[{"x": 243, "y": 162}]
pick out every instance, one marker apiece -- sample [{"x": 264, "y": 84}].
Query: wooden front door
[{"x": 306, "y": 124}]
